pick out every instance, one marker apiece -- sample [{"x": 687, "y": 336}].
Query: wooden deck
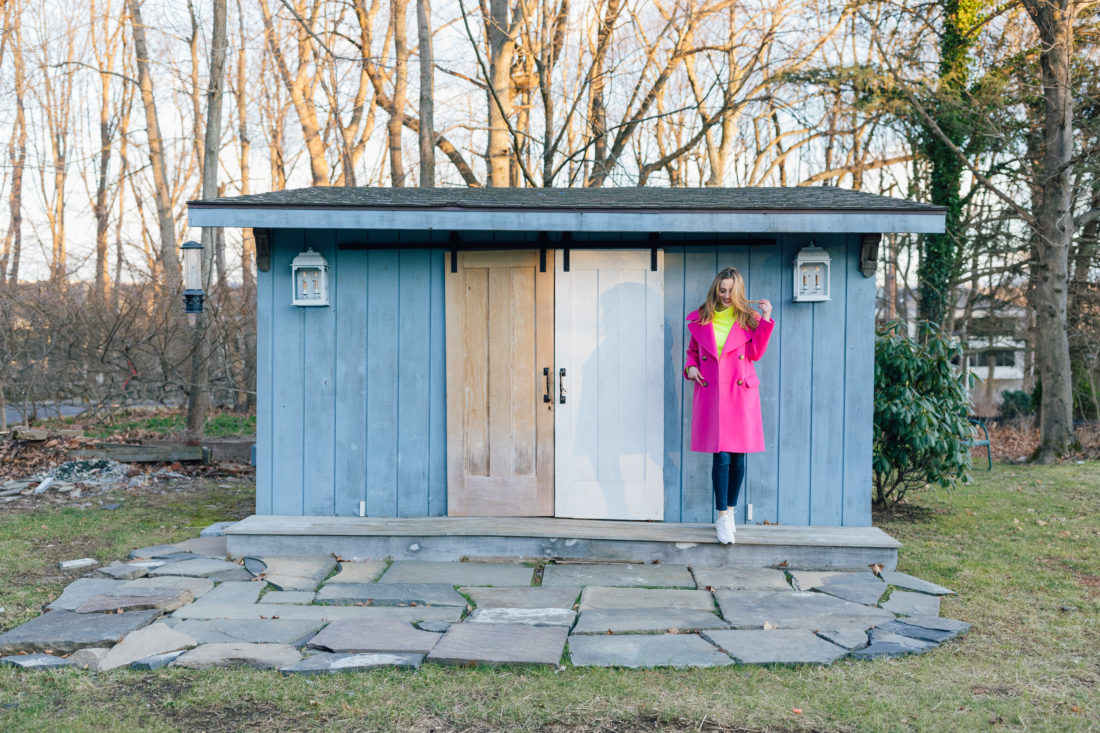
[{"x": 547, "y": 538}]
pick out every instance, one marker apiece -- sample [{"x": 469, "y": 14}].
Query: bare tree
[
  {"x": 427, "y": 93},
  {"x": 12, "y": 247}
]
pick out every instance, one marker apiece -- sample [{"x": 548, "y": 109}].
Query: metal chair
[{"x": 984, "y": 442}]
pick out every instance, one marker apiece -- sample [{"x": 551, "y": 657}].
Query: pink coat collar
[{"x": 704, "y": 334}]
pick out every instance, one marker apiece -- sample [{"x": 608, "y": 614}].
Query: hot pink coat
[{"x": 725, "y": 414}]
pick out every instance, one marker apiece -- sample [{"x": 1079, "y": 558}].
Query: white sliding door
[{"x": 608, "y": 339}]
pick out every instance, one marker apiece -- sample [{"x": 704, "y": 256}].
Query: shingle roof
[{"x": 574, "y": 199}]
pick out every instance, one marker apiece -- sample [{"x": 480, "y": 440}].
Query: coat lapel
[
  {"x": 704, "y": 334},
  {"x": 736, "y": 337}
]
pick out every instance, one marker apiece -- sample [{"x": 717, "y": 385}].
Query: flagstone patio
[{"x": 190, "y": 605}]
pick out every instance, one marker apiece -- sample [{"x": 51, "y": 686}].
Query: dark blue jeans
[{"x": 727, "y": 472}]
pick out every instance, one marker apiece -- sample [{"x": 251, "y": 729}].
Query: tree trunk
[
  {"x": 502, "y": 48},
  {"x": 17, "y": 152},
  {"x": 169, "y": 261},
  {"x": 198, "y": 397},
  {"x": 398, "y": 24},
  {"x": 427, "y": 92},
  {"x": 1054, "y": 21}
]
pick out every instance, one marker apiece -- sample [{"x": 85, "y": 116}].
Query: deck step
[{"x": 551, "y": 538}]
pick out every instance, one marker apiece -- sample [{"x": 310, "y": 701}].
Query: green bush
[
  {"x": 920, "y": 413},
  {"x": 1016, "y": 403}
]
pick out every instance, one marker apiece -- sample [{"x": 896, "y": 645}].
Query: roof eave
[{"x": 864, "y": 221}]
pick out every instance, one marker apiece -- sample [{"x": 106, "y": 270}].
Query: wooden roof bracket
[
  {"x": 262, "y": 238},
  {"x": 868, "y": 253}
]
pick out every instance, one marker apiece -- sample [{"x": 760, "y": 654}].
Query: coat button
[
  {"x": 704, "y": 358},
  {"x": 740, "y": 381},
  {"x": 740, "y": 356}
]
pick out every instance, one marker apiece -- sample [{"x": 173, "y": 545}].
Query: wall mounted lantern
[
  {"x": 309, "y": 279},
  {"x": 192, "y": 278},
  {"x": 811, "y": 274}
]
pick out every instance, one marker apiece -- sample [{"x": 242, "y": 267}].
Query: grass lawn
[{"x": 1017, "y": 545}]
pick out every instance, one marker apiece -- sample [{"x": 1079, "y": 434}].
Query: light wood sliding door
[
  {"x": 609, "y": 318},
  {"x": 500, "y": 420}
]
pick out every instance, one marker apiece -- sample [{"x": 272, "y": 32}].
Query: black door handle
[
  {"x": 546, "y": 373},
  {"x": 561, "y": 386}
]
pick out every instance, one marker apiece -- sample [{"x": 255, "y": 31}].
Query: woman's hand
[
  {"x": 694, "y": 375},
  {"x": 766, "y": 308}
]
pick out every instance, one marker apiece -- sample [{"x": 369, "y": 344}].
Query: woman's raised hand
[
  {"x": 694, "y": 375},
  {"x": 766, "y": 308}
]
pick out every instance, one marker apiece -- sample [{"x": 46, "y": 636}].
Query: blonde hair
[{"x": 743, "y": 315}]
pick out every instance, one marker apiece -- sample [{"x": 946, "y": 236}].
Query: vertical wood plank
[
  {"x": 412, "y": 370},
  {"x": 454, "y": 289},
  {"x": 501, "y": 317},
  {"x": 674, "y": 347},
  {"x": 769, "y": 272},
  {"x": 700, "y": 267},
  {"x": 544, "y": 422},
  {"x": 287, "y": 460},
  {"x": 859, "y": 387},
  {"x": 382, "y": 413},
  {"x": 475, "y": 427},
  {"x": 827, "y": 424},
  {"x": 265, "y": 391},
  {"x": 522, "y": 432},
  {"x": 795, "y": 365},
  {"x": 437, "y": 390},
  {"x": 319, "y": 390},
  {"x": 350, "y": 270}
]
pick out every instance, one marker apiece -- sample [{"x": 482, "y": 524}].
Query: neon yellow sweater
[{"x": 722, "y": 323}]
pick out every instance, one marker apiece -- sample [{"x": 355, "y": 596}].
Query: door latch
[{"x": 561, "y": 386}]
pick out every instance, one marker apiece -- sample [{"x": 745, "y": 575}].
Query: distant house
[{"x": 519, "y": 352}]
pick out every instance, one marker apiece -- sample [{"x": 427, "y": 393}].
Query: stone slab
[
  {"x": 88, "y": 657},
  {"x": 201, "y": 567},
  {"x": 235, "y": 591},
  {"x": 647, "y": 620},
  {"x": 536, "y": 597},
  {"x": 494, "y": 644},
  {"x": 526, "y": 616},
  {"x": 122, "y": 571},
  {"x": 775, "y": 646},
  {"x": 595, "y": 596},
  {"x": 36, "y": 661},
  {"x": 326, "y": 663},
  {"x": 864, "y": 588},
  {"x": 297, "y": 597},
  {"x": 390, "y": 594},
  {"x": 258, "y": 656},
  {"x": 84, "y": 562},
  {"x": 645, "y": 650},
  {"x": 157, "y": 661},
  {"x": 293, "y": 572},
  {"x": 926, "y": 628},
  {"x": 142, "y": 643},
  {"x": 374, "y": 636},
  {"x": 749, "y": 609},
  {"x": 82, "y": 590},
  {"x": 66, "y": 631},
  {"x": 205, "y": 546},
  {"x": 908, "y": 582},
  {"x": 199, "y": 587},
  {"x": 166, "y": 601},
  {"x": 807, "y": 579},
  {"x": 237, "y": 574},
  {"x": 154, "y": 551},
  {"x": 358, "y": 572},
  {"x": 739, "y": 578},
  {"x": 458, "y": 573},
  {"x": 318, "y": 613},
  {"x": 909, "y": 603},
  {"x": 259, "y": 631},
  {"x": 439, "y": 627},
  {"x": 847, "y": 638},
  {"x": 885, "y": 644},
  {"x": 217, "y": 529},
  {"x": 618, "y": 574}
]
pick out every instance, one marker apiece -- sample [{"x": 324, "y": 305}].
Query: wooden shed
[{"x": 519, "y": 352}]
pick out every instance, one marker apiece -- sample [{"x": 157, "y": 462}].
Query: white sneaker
[{"x": 724, "y": 529}]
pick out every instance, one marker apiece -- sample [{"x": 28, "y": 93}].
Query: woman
[{"x": 727, "y": 336}]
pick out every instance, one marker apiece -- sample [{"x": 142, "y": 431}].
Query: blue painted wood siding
[{"x": 351, "y": 398}]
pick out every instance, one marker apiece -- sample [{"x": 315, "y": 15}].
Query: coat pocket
[{"x": 752, "y": 381}]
